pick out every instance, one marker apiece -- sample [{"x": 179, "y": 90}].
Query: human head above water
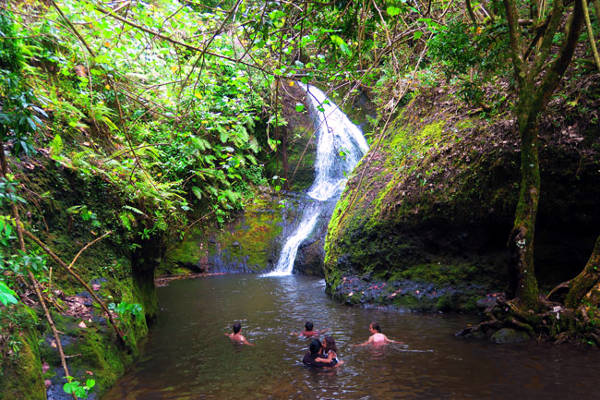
[
  {"x": 314, "y": 346},
  {"x": 308, "y": 326},
  {"x": 375, "y": 326},
  {"x": 236, "y": 327},
  {"x": 330, "y": 343}
]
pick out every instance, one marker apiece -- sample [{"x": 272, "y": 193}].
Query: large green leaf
[{"x": 7, "y": 295}]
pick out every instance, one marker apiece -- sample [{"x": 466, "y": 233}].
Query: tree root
[
  {"x": 552, "y": 322},
  {"x": 523, "y": 326},
  {"x": 564, "y": 285}
]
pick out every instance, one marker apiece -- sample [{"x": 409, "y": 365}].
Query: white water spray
[{"x": 340, "y": 145}]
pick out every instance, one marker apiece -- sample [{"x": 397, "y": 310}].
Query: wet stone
[
  {"x": 507, "y": 335},
  {"x": 426, "y": 296}
]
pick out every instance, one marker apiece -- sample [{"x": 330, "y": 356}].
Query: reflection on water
[{"x": 188, "y": 357}]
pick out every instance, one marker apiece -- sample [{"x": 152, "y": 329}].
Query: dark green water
[{"x": 188, "y": 357}]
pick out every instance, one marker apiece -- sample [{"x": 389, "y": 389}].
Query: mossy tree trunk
[
  {"x": 537, "y": 74},
  {"x": 584, "y": 283},
  {"x": 284, "y": 157},
  {"x": 523, "y": 283}
]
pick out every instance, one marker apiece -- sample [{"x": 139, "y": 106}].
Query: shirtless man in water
[
  {"x": 237, "y": 336},
  {"x": 377, "y": 338},
  {"x": 308, "y": 330}
]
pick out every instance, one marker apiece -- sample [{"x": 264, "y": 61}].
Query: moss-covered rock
[
  {"x": 508, "y": 336},
  {"x": 91, "y": 343},
  {"x": 433, "y": 201},
  {"x": 250, "y": 243}
]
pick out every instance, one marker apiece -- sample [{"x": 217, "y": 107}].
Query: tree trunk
[
  {"x": 533, "y": 96},
  {"x": 523, "y": 283},
  {"x": 284, "y": 158},
  {"x": 586, "y": 279}
]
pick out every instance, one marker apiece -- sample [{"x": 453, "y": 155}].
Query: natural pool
[{"x": 188, "y": 357}]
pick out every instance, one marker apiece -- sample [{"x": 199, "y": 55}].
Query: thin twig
[{"x": 84, "y": 248}]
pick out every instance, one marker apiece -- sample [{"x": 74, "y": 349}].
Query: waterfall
[{"x": 340, "y": 145}]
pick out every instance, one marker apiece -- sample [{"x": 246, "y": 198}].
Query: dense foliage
[{"x": 165, "y": 112}]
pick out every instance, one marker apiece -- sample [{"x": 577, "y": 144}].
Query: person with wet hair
[
  {"x": 237, "y": 336},
  {"x": 312, "y": 355},
  {"x": 308, "y": 330},
  {"x": 328, "y": 353},
  {"x": 377, "y": 338}
]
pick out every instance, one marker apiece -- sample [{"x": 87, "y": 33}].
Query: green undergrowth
[{"x": 20, "y": 363}]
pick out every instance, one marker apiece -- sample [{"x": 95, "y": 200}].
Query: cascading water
[{"x": 340, "y": 145}]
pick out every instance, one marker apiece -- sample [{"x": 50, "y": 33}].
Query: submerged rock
[
  {"x": 406, "y": 294},
  {"x": 508, "y": 335}
]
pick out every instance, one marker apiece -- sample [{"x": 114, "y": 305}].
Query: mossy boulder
[
  {"x": 509, "y": 336},
  {"x": 433, "y": 201},
  {"x": 311, "y": 252},
  {"x": 250, "y": 243}
]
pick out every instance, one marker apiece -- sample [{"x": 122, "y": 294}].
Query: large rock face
[
  {"x": 250, "y": 243},
  {"x": 433, "y": 202},
  {"x": 311, "y": 252}
]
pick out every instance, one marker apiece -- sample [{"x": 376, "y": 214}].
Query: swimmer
[
  {"x": 377, "y": 338},
  {"x": 308, "y": 330},
  {"x": 311, "y": 358},
  {"x": 328, "y": 353},
  {"x": 237, "y": 336}
]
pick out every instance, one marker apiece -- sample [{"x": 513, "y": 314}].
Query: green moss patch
[
  {"x": 249, "y": 243},
  {"x": 433, "y": 202}
]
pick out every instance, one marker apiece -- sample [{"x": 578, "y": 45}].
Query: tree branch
[
  {"x": 512, "y": 18},
  {"x": 84, "y": 248},
  {"x": 471, "y": 13},
  {"x": 60, "y": 262},
  {"x": 178, "y": 43},
  {"x": 553, "y": 24},
  {"x": 559, "y": 66}
]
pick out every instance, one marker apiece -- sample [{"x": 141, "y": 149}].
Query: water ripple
[{"x": 188, "y": 357}]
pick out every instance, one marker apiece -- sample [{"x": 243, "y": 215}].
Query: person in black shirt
[{"x": 310, "y": 358}]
